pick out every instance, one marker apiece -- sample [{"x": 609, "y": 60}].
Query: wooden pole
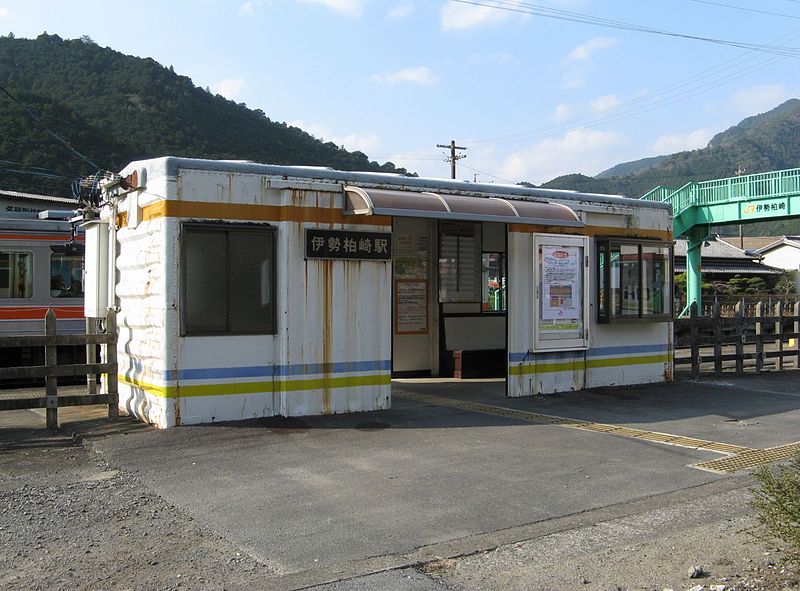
[
  {"x": 759, "y": 336},
  {"x": 695, "y": 339},
  {"x": 779, "y": 334},
  {"x": 50, "y": 362},
  {"x": 740, "y": 337},
  {"x": 717, "y": 320},
  {"x": 91, "y": 356},
  {"x": 111, "y": 359}
]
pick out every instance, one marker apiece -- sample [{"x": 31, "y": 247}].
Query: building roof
[
  {"x": 751, "y": 242},
  {"x": 793, "y": 241},
  {"x": 719, "y": 257},
  {"x": 35, "y": 197},
  {"x": 169, "y": 166},
  {"x": 716, "y": 248}
]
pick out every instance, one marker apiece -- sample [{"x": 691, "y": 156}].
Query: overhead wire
[
  {"x": 744, "y": 8},
  {"x": 517, "y": 6},
  {"x": 60, "y": 139}
]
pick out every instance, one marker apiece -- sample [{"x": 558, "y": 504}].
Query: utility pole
[{"x": 453, "y": 157}]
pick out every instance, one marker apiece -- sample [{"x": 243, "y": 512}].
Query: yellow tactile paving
[
  {"x": 739, "y": 458},
  {"x": 751, "y": 459}
]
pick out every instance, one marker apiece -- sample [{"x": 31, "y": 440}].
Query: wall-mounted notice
[
  {"x": 561, "y": 283},
  {"x": 411, "y": 306}
]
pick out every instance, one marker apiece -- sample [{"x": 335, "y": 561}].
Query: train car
[{"x": 41, "y": 267}]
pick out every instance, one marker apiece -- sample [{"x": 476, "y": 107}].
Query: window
[
  {"x": 16, "y": 274},
  {"x": 228, "y": 277},
  {"x": 494, "y": 282},
  {"x": 634, "y": 280},
  {"x": 66, "y": 275},
  {"x": 459, "y": 262}
]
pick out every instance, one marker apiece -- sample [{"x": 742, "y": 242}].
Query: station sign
[{"x": 348, "y": 245}]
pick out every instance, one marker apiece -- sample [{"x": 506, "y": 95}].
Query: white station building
[{"x": 247, "y": 290}]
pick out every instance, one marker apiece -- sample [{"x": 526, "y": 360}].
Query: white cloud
[
  {"x": 365, "y": 142},
  {"x": 229, "y": 88},
  {"x": 401, "y": 10},
  {"x": 458, "y": 17},
  {"x": 573, "y": 79},
  {"x": 421, "y": 75},
  {"x": 580, "y": 150},
  {"x": 562, "y": 112},
  {"x": 758, "y": 99},
  {"x": 678, "y": 142},
  {"x": 604, "y": 103},
  {"x": 5, "y": 12},
  {"x": 586, "y": 50},
  {"x": 351, "y": 8},
  {"x": 249, "y": 8}
]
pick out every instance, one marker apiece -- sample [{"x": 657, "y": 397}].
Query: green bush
[{"x": 777, "y": 501}]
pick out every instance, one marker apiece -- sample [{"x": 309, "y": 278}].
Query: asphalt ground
[{"x": 323, "y": 499}]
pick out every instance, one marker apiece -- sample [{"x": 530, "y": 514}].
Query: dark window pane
[
  {"x": 66, "y": 276},
  {"x": 205, "y": 273},
  {"x": 251, "y": 264},
  {"x": 629, "y": 282}
]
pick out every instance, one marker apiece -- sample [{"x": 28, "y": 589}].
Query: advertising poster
[
  {"x": 561, "y": 283},
  {"x": 411, "y": 306}
]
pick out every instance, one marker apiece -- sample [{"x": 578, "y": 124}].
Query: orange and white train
[{"x": 41, "y": 267}]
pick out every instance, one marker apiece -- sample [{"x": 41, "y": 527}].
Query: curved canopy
[{"x": 368, "y": 201}]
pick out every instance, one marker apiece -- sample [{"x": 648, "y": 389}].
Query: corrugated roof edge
[{"x": 171, "y": 164}]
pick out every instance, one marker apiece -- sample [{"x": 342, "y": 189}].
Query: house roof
[
  {"x": 751, "y": 242},
  {"x": 793, "y": 241},
  {"x": 716, "y": 248}
]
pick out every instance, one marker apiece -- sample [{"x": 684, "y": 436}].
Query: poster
[
  {"x": 411, "y": 306},
  {"x": 561, "y": 283}
]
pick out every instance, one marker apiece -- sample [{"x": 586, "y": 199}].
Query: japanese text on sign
[{"x": 347, "y": 244}]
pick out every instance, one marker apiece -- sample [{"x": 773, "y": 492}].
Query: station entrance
[{"x": 449, "y": 298}]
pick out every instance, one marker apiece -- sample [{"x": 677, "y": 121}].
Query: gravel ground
[{"x": 68, "y": 520}]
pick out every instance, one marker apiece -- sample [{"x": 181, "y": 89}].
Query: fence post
[
  {"x": 50, "y": 361},
  {"x": 91, "y": 355},
  {"x": 796, "y": 331},
  {"x": 111, "y": 359},
  {"x": 740, "y": 337},
  {"x": 717, "y": 320},
  {"x": 759, "y": 336},
  {"x": 695, "y": 340},
  {"x": 779, "y": 334}
]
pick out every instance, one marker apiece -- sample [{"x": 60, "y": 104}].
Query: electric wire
[
  {"x": 33, "y": 116},
  {"x": 519, "y": 7},
  {"x": 744, "y": 8}
]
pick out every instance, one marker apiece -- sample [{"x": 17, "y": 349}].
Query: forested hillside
[
  {"x": 770, "y": 141},
  {"x": 114, "y": 108}
]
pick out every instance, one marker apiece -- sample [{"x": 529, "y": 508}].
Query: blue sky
[{"x": 531, "y": 97}]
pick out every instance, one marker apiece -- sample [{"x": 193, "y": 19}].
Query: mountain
[
  {"x": 631, "y": 167},
  {"x": 769, "y": 141},
  {"x": 114, "y": 108}
]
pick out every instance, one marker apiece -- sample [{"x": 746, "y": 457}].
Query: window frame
[
  {"x": 253, "y": 228},
  {"x": 31, "y": 283},
  {"x": 78, "y": 254},
  {"x": 604, "y": 245}
]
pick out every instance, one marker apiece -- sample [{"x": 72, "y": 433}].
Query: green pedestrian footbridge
[{"x": 698, "y": 206}]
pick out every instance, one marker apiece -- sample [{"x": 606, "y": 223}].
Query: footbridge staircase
[{"x": 698, "y": 206}]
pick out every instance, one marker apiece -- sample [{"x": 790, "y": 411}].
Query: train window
[
  {"x": 66, "y": 275},
  {"x": 16, "y": 274},
  {"x": 228, "y": 280}
]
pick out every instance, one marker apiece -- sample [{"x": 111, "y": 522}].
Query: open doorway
[{"x": 449, "y": 299}]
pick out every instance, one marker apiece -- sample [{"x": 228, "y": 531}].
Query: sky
[{"x": 531, "y": 97}]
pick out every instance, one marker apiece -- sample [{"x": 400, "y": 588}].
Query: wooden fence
[
  {"x": 51, "y": 370},
  {"x": 752, "y": 339}
]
